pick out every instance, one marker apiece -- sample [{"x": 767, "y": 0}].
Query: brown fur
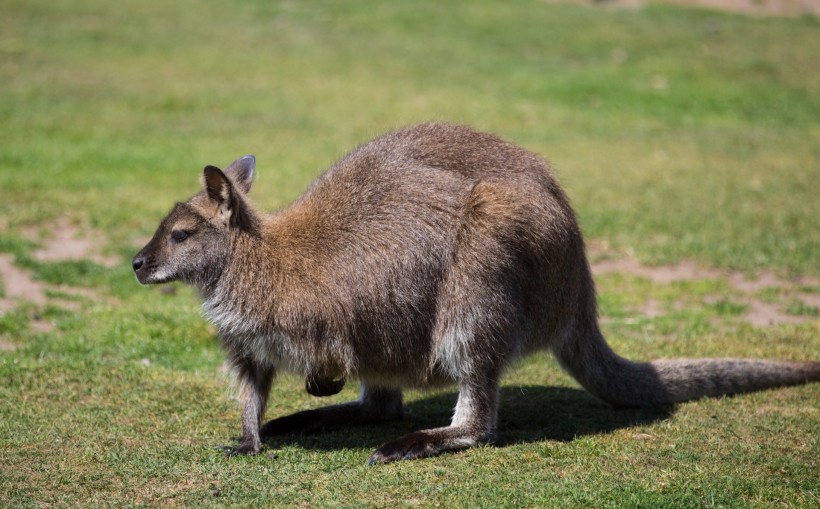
[{"x": 433, "y": 254}]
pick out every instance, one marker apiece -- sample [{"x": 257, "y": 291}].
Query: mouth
[
  {"x": 148, "y": 272},
  {"x": 144, "y": 278}
]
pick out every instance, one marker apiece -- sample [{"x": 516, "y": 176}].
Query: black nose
[{"x": 138, "y": 262}]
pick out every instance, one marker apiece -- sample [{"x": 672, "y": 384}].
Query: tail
[{"x": 621, "y": 382}]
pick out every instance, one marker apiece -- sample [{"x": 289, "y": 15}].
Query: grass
[{"x": 680, "y": 134}]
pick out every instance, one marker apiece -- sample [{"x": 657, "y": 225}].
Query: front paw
[{"x": 243, "y": 449}]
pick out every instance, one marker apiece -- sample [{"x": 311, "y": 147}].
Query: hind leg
[
  {"x": 473, "y": 423},
  {"x": 480, "y": 325},
  {"x": 475, "y": 341}
]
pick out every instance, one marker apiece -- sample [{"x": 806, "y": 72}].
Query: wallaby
[{"x": 431, "y": 255}]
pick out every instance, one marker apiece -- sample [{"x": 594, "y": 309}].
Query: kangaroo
[{"x": 431, "y": 255}]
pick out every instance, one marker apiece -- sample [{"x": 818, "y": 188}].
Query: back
[{"x": 382, "y": 228}]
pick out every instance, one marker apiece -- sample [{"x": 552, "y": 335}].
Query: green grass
[{"x": 679, "y": 134}]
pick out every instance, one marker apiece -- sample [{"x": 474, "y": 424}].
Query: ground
[
  {"x": 686, "y": 138},
  {"x": 747, "y": 7}
]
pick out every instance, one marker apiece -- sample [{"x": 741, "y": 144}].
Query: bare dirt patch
[
  {"x": 651, "y": 309},
  {"x": 780, "y": 8},
  {"x": 5, "y": 346},
  {"x": 811, "y": 299},
  {"x": 59, "y": 241},
  {"x": 759, "y": 312},
  {"x": 664, "y": 274},
  {"x": 64, "y": 240},
  {"x": 759, "y": 7},
  {"x": 18, "y": 285}
]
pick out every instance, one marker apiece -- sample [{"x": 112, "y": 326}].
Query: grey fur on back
[{"x": 433, "y": 254}]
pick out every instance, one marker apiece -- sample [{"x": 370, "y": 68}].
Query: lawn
[{"x": 687, "y": 139}]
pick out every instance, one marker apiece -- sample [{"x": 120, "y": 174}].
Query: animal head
[{"x": 192, "y": 244}]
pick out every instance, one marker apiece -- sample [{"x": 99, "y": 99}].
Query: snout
[
  {"x": 145, "y": 268},
  {"x": 138, "y": 262},
  {"x": 149, "y": 270}
]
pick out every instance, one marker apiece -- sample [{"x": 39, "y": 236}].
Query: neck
[{"x": 241, "y": 296}]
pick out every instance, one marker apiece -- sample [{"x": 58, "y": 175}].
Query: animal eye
[{"x": 179, "y": 235}]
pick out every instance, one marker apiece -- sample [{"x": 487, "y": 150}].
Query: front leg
[{"x": 255, "y": 382}]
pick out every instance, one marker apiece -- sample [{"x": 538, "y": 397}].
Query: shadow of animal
[{"x": 531, "y": 413}]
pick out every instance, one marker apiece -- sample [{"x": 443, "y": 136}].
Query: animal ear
[
  {"x": 231, "y": 208},
  {"x": 218, "y": 186},
  {"x": 241, "y": 172}
]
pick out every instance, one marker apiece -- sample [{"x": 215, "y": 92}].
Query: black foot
[
  {"x": 240, "y": 450},
  {"x": 411, "y": 446}
]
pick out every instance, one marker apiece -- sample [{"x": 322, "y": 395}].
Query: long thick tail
[{"x": 621, "y": 382}]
